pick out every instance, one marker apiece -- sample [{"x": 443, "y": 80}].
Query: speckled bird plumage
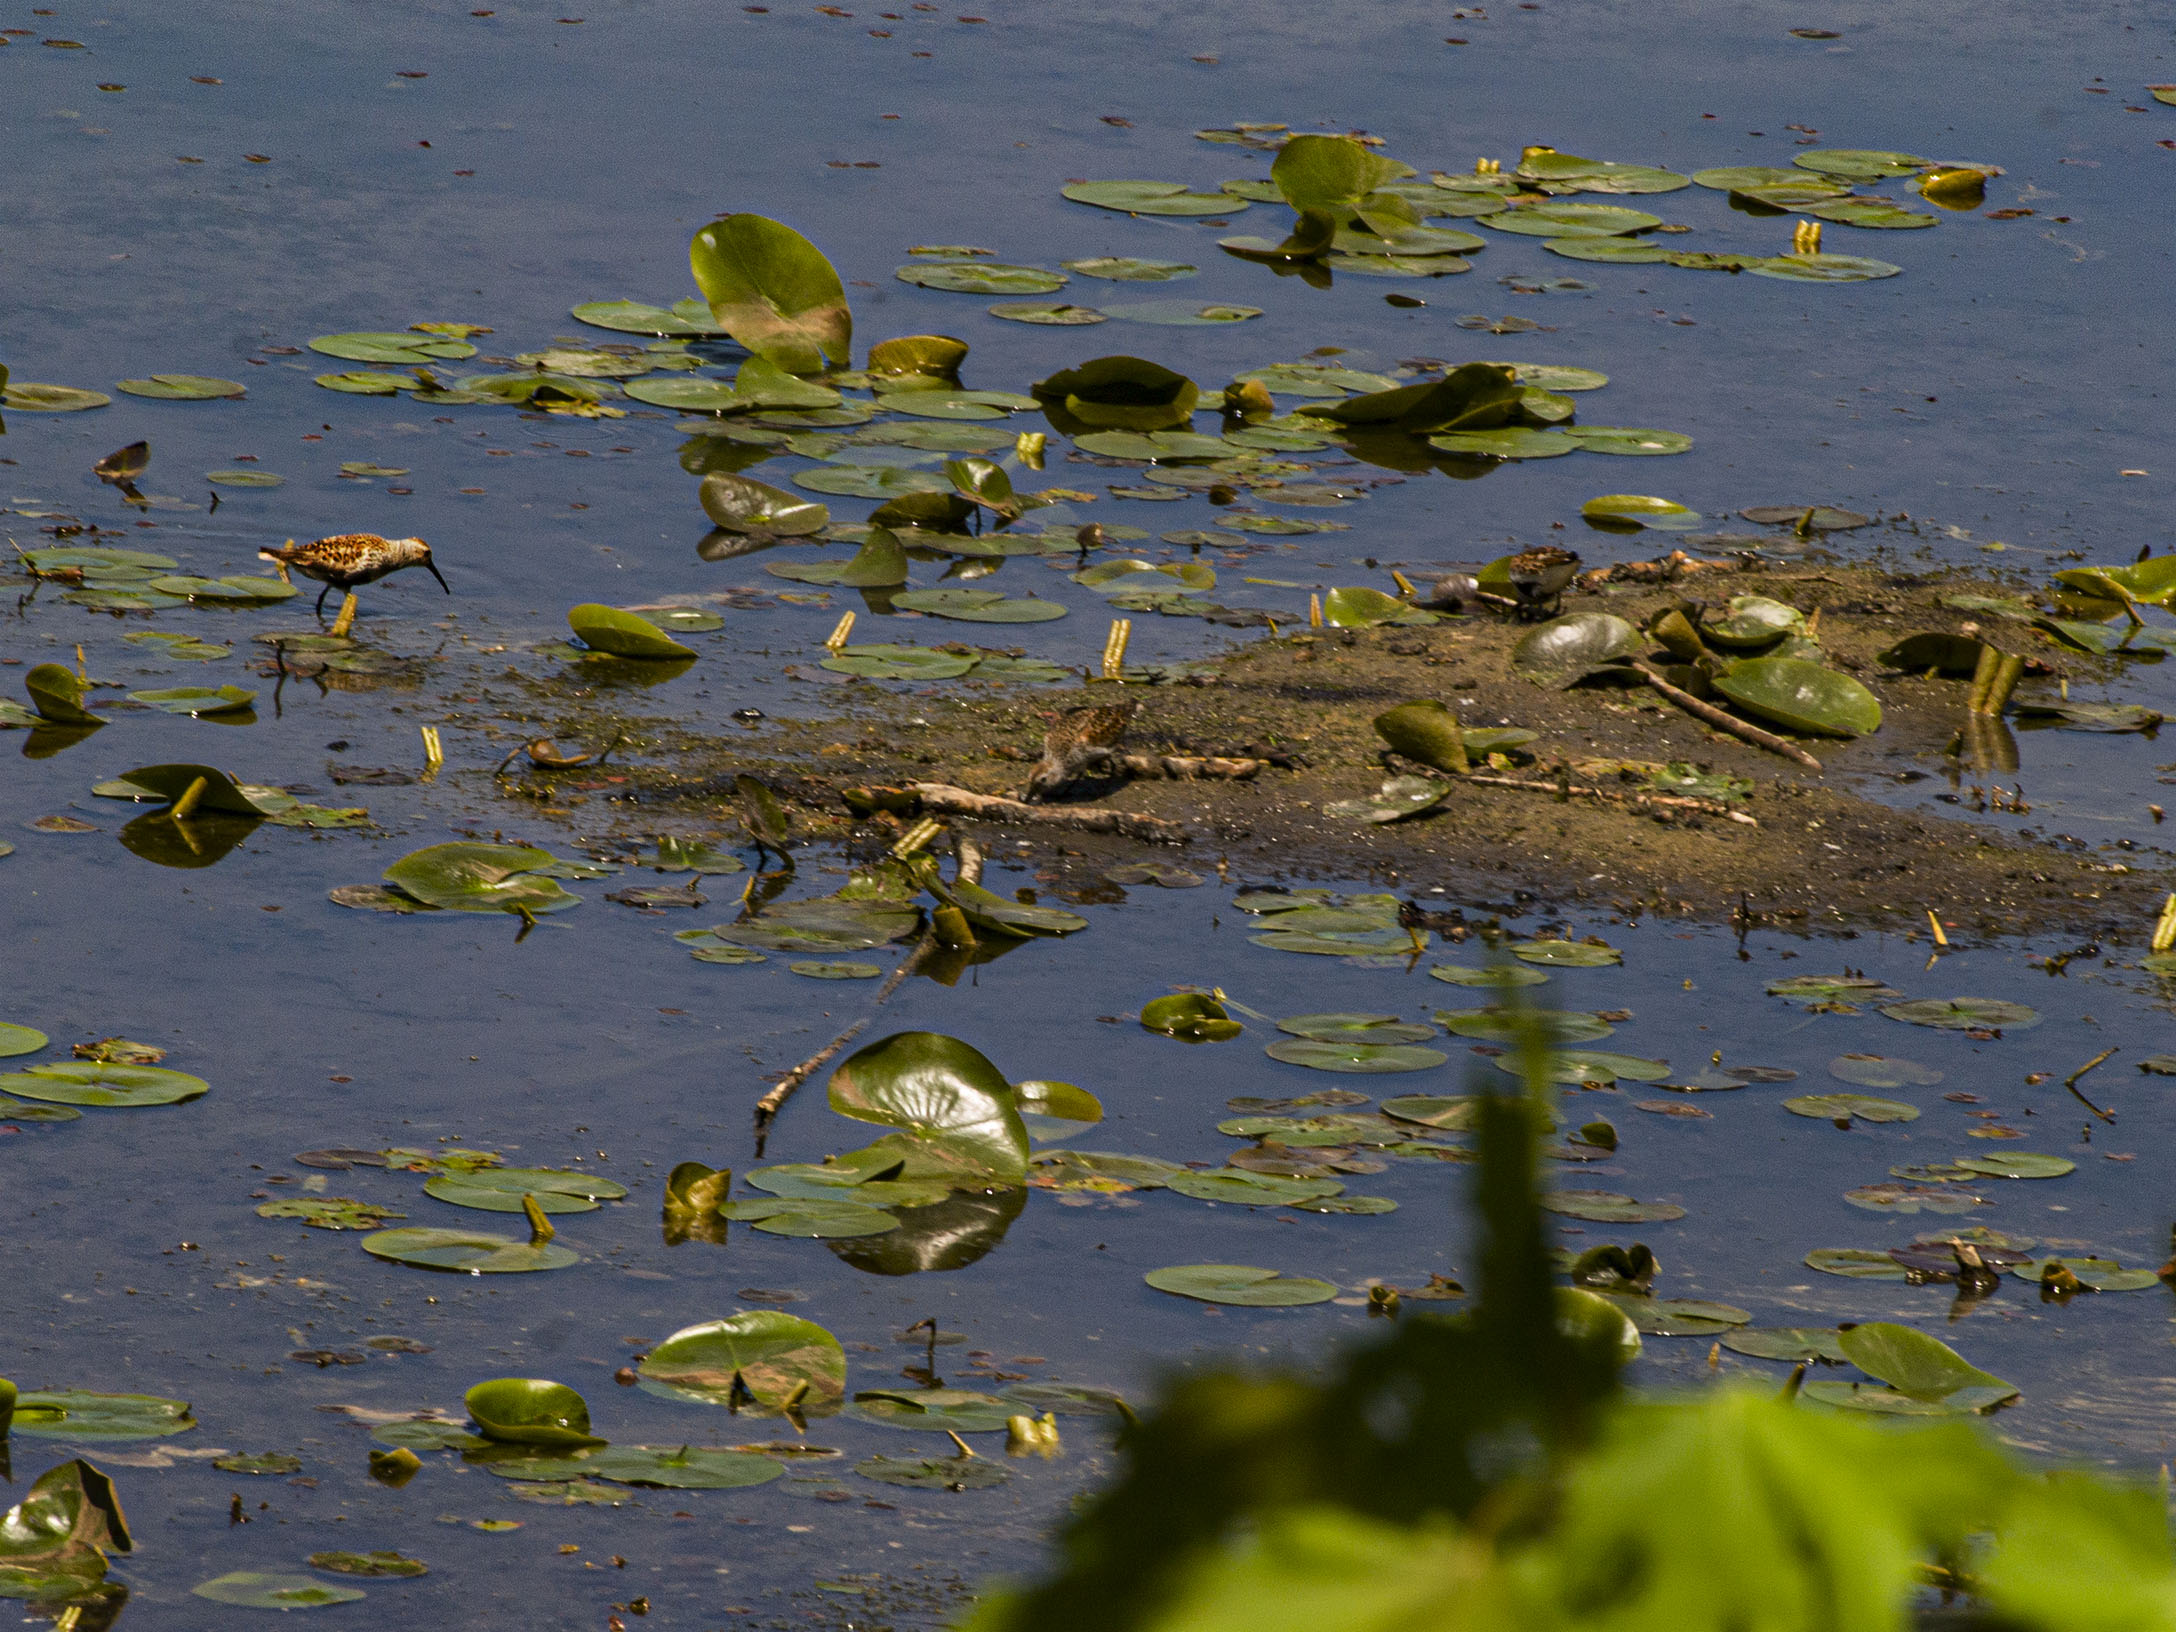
[
  {"x": 1081, "y": 740},
  {"x": 347, "y": 560}
]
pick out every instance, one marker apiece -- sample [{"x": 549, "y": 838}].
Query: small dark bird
[
  {"x": 1539, "y": 577},
  {"x": 1084, "y": 739},
  {"x": 346, "y": 560}
]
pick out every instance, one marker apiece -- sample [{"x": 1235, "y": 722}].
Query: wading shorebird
[
  {"x": 1084, "y": 739},
  {"x": 347, "y": 560}
]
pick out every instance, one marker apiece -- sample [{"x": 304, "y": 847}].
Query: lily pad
[
  {"x": 2095, "y": 1274},
  {"x": 1608, "y": 1207},
  {"x": 1051, "y": 313},
  {"x": 503, "y": 1189},
  {"x": 1679, "y": 1317},
  {"x": 1822, "y": 268},
  {"x": 811, "y": 1219},
  {"x": 195, "y": 700},
  {"x": 259, "y": 1589},
  {"x": 183, "y": 387},
  {"x": 1964, "y": 1014},
  {"x": 392, "y": 346},
  {"x": 2020, "y": 1164},
  {"x": 530, "y": 1411},
  {"x": 1495, "y": 975},
  {"x": 1399, "y": 797},
  {"x": 267, "y": 1462},
  {"x": 1870, "y": 212},
  {"x": 1564, "y": 651},
  {"x": 1356, "y": 1028},
  {"x": 1801, "y": 696},
  {"x": 663, "y": 1467},
  {"x": 472, "y": 877},
  {"x": 1240, "y": 1284},
  {"x": 1851, "y": 1107},
  {"x": 28, "y": 397},
  {"x": 743, "y": 505},
  {"x": 20, "y": 1040},
  {"x": 1911, "y": 1198},
  {"x": 75, "y": 1413},
  {"x": 1859, "y": 164},
  {"x": 330, "y": 1212},
  {"x": 689, "y": 318},
  {"x": 1565, "y": 954},
  {"x": 1855, "y": 1263},
  {"x": 1553, "y": 1026},
  {"x": 979, "y": 606},
  {"x": 933, "y": 1410},
  {"x": 932, "y": 1472},
  {"x": 385, "y": 1563},
  {"x": 889, "y": 662},
  {"x": 1240, "y": 1188},
  {"x": 94, "y": 1082},
  {"x": 1577, "y": 1065},
  {"x": 1882, "y": 1071},
  {"x": 982, "y": 277},
  {"x": 622, "y": 634},
  {"x": 1571, "y": 220},
  {"x": 1640, "y": 510},
  {"x": 473, "y": 1252},
  {"x": 1797, "y": 1343},
  {"x": 1922, "y": 1367},
  {"x": 1192, "y": 1017},
  {"x": 951, "y": 1104},
  {"x": 1181, "y": 313},
  {"x": 1360, "y": 1058},
  {"x": 760, "y": 1355},
  {"x": 1152, "y": 198},
  {"x": 1130, "y": 269}
]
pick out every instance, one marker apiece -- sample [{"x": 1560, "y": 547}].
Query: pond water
[{"x": 251, "y": 188}]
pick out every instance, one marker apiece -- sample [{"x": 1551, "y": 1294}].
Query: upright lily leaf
[
  {"x": 773, "y": 291},
  {"x": 1331, "y": 173},
  {"x": 54, "y": 1542},
  {"x": 741, "y": 504},
  {"x": 481, "y": 878},
  {"x": 530, "y": 1411},
  {"x": 940, "y": 1092}
]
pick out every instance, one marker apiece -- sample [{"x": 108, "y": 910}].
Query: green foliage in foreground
[{"x": 1485, "y": 1473}]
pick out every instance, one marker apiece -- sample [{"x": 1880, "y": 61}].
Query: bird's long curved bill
[{"x": 432, "y": 568}]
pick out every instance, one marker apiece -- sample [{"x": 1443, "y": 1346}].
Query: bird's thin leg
[{"x": 319, "y": 610}]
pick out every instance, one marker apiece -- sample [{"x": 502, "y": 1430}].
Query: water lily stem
[{"x": 1725, "y": 722}]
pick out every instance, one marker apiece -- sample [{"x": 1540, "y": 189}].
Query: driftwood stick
[
  {"x": 1637, "y": 800},
  {"x": 1187, "y": 767},
  {"x": 1725, "y": 722},
  {"x": 768, "y": 1106},
  {"x": 942, "y": 796}
]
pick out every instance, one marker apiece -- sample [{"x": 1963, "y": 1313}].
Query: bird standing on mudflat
[
  {"x": 1083, "y": 739},
  {"x": 347, "y": 560}
]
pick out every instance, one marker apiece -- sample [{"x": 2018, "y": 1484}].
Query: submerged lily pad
[
  {"x": 933, "y": 1473},
  {"x": 385, "y": 1563},
  {"x": 1608, "y": 1207},
  {"x": 1241, "y": 1284},
  {"x": 259, "y": 1589},
  {"x": 330, "y": 1212},
  {"x": 1882, "y": 1071},
  {"x": 663, "y": 1467}
]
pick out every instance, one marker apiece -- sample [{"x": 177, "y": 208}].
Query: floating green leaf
[
  {"x": 27, "y": 397},
  {"x": 1640, "y": 510},
  {"x": 94, "y": 1082},
  {"x": 1851, "y": 1107},
  {"x": 1129, "y": 269},
  {"x": 76, "y": 1413},
  {"x": 472, "y": 1252},
  {"x": 662, "y": 1467},
  {"x": 1964, "y": 1014},
  {"x": 472, "y": 877},
  {"x": 943, "y": 1095},
  {"x": 1608, "y": 1207},
  {"x": 372, "y": 1564},
  {"x": 1565, "y": 954},
  {"x": 267, "y": 1462},
  {"x": 258, "y": 1589},
  {"x": 194, "y": 700},
  {"x": 1571, "y": 220},
  {"x": 1240, "y": 1284},
  {"x": 2020, "y": 1164},
  {"x": 331, "y": 1212},
  {"x": 933, "y": 1410},
  {"x": 1911, "y": 1198},
  {"x": 1358, "y": 1057},
  {"x": 530, "y": 1411},
  {"x": 982, "y": 277},
  {"x": 1245, "y": 1189},
  {"x": 503, "y": 1189},
  {"x": 1151, "y": 198},
  {"x": 183, "y": 387},
  {"x": 933, "y": 1473},
  {"x": 1398, "y": 798}
]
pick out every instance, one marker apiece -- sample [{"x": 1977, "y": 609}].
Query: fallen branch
[
  {"x": 1637, "y": 801},
  {"x": 1187, "y": 767},
  {"x": 1724, "y": 722},
  {"x": 942, "y": 796},
  {"x": 768, "y": 1106},
  {"x": 1665, "y": 569},
  {"x": 2071, "y": 1082}
]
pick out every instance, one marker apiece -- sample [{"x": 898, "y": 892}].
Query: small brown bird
[
  {"x": 1539, "y": 577},
  {"x": 346, "y": 560},
  {"x": 1084, "y": 739}
]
